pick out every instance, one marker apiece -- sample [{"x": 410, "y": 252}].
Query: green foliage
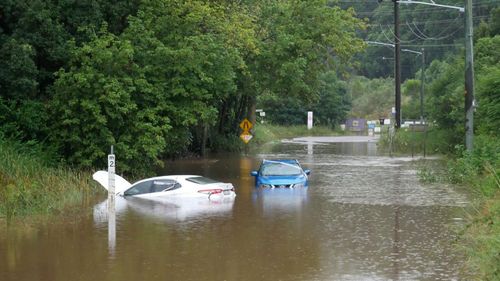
[
  {"x": 229, "y": 143},
  {"x": 427, "y": 175},
  {"x": 480, "y": 169},
  {"x": 21, "y": 116},
  {"x": 488, "y": 85},
  {"x": 333, "y": 103},
  {"x": 435, "y": 141},
  {"x": 410, "y": 104},
  {"x": 140, "y": 93},
  {"x": 36, "y": 39},
  {"x": 445, "y": 102},
  {"x": 299, "y": 37},
  {"x": 489, "y": 28},
  {"x": 151, "y": 76},
  {"x": 283, "y": 110},
  {"x": 495, "y": 22},
  {"x": 481, "y": 238},
  {"x": 330, "y": 106},
  {"x": 18, "y": 72},
  {"x": 96, "y": 104},
  {"x": 487, "y": 53},
  {"x": 371, "y": 98},
  {"x": 488, "y": 113},
  {"x": 470, "y": 166},
  {"x": 32, "y": 184}
]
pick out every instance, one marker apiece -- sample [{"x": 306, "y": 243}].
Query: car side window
[
  {"x": 164, "y": 185},
  {"x": 140, "y": 188}
]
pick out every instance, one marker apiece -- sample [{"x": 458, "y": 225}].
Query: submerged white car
[{"x": 169, "y": 186}]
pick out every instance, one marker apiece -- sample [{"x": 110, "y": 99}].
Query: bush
[{"x": 478, "y": 167}]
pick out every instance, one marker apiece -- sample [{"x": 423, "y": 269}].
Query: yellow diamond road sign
[
  {"x": 246, "y": 137},
  {"x": 246, "y": 125}
]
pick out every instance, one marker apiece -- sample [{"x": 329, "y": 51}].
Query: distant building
[{"x": 355, "y": 124}]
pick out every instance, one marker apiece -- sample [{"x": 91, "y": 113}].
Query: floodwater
[{"x": 365, "y": 216}]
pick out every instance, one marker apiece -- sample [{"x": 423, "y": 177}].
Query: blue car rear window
[{"x": 280, "y": 169}]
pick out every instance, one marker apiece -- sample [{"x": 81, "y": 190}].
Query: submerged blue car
[{"x": 281, "y": 174}]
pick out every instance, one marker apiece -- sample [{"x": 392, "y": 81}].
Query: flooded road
[{"x": 364, "y": 216}]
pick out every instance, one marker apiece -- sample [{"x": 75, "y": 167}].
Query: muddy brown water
[{"x": 365, "y": 216}]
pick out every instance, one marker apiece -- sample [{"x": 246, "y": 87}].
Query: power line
[
  {"x": 430, "y": 21},
  {"x": 425, "y": 10},
  {"x": 409, "y": 27},
  {"x": 434, "y": 45},
  {"x": 429, "y": 37},
  {"x": 394, "y": 35},
  {"x": 458, "y": 2}
]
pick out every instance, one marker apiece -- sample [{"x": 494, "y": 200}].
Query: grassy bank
[
  {"x": 431, "y": 140},
  {"x": 479, "y": 171},
  {"x": 32, "y": 184}
]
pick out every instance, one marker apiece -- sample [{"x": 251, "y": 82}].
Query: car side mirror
[
  {"x": 308, "y": 172},
  {"x": 253, "y": 173}
]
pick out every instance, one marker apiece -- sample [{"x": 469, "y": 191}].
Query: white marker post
[
  {"x": 111, "y": 203},
  {"x": 309, "y": 120},
  {"x": 111, "y": 174}
]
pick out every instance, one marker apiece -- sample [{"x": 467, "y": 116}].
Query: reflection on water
[
  {"x": 111, "y": 215},
  {"x": 364, "y": 216},
  {"x": 166, "y": 209},
  {"x": 277, "y": 200}
]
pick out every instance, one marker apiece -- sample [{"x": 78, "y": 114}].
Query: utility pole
[
  {"x": 469, "y": 78},
  {"x": 397, "y": 64},
  {"x": 422, "y": 79},
  {"x": 469, "y": 64}
]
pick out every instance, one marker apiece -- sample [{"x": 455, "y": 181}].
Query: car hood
[{"x": 278, "y": 180}]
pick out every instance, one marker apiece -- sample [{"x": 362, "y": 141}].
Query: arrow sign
[{"x": 246, "y": 125}]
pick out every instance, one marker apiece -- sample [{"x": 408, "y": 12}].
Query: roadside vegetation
[
  {"x": 32, "y": 183},
  {"x": 408, "y": 140}
]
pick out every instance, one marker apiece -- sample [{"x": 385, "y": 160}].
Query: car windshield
[
  {"x": 201, "y": 180},
  {"x": 280, "y": 169}
]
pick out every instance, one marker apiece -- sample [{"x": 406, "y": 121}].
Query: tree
[
  {"x": 334, "y": 103},
  {"x": 100, "y": 101},
  {"x": 488, "y": 86},
  {"x": 371, "y": 98},
  {"x": 144, "y": 90},
  {"x": 22, "y": 116}
]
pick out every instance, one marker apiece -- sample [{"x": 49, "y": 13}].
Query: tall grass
[
  {"x": 480, "y": 170},
  {"x": 434, "y": 141},
  {"x": 31, "y": 183}
]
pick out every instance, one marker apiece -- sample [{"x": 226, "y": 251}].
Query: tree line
[{"x": 157, "y": 78}]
